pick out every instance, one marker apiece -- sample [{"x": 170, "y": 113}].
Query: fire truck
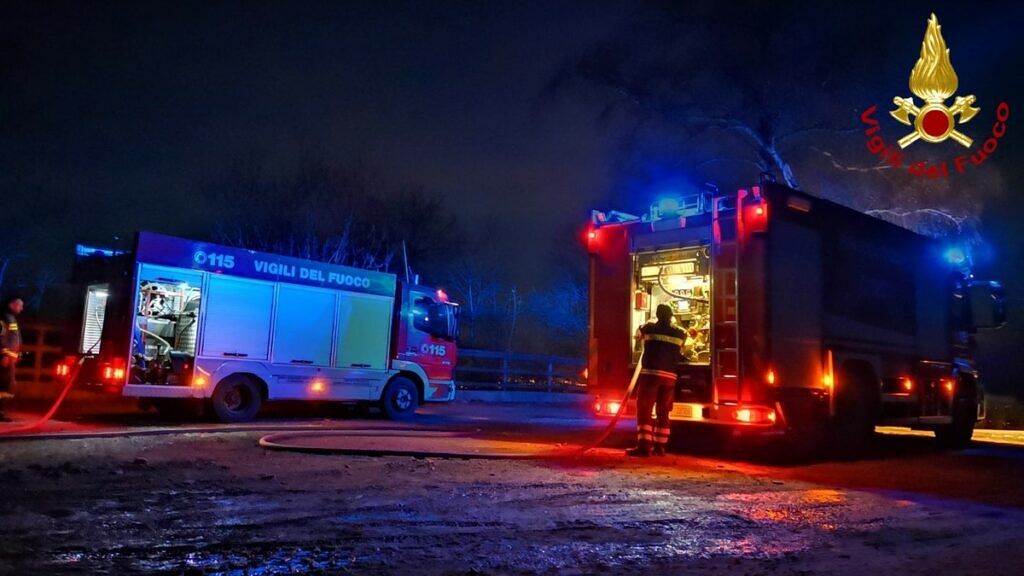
[
  {"x": 804, "y": 317},
  {"x": 175, "y": 321}
]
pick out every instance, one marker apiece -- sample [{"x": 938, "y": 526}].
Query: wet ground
[{"x": 216, "y": 503}]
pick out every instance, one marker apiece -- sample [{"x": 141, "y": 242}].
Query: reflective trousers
[
  {"x": 6, "y": 381},
  {"x": 653, "y": 392}
]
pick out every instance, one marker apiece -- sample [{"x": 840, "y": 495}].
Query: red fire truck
[
  {"x": 802, "y": 316},
  {"x": 177, "y": 321}
]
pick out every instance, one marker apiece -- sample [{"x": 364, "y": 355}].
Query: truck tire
[
  {"x": 856, "y": 410},
  {"x": 236, "y": 399},
  {"x": 958, "y": 434},
  {"x": 401, "y": 398}
]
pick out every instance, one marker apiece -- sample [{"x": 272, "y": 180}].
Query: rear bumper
[
  {"x": 743, "y": 416},
  {"x": 153, "y": 391},
  {"x": 790, "y": 408}
]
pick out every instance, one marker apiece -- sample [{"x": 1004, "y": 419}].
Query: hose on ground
[
  {"x": 53, "y": 409},
  {"x": 294, "y": 441},
  {"x": 622, "y": 408}
]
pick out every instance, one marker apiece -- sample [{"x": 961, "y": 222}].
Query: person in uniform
[
  {"x": 10, "y": 348},
  {"x": 663, "y": 344}
]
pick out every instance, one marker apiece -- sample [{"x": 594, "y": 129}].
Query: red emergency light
[
  {"x": 754, "y": 209},
  {"x": 113, "y": 372},
  {"x": 755, "y": 415}
]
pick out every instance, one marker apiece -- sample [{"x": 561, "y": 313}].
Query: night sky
[
  {"x": 116, "y": 116},
  {"x": 113, "y": 108}
]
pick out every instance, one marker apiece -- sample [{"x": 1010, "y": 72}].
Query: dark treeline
[{"x": 349, "y": 214}]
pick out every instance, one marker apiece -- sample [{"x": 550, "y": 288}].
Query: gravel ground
[{"x": 216, "y": 503}]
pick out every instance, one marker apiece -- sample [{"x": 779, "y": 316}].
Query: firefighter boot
[
  {"x": 659, "y": 450},
  {"x": 641, "y": 451}
]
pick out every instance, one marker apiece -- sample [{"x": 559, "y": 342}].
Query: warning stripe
[
  {"x": 664, "y": 338},
  {"x": 658, "y": 373}
]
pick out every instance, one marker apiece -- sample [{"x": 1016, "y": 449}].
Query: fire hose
[
  {"x": 437, "y": 444},
  {"x": 268, "y": 441},
  {"x": 53, "y": 409},
  {"x": 622, "y": 408}
]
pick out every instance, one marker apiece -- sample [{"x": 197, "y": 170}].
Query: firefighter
[
  {"x": 10, "y": 348},
  {"x": 663, "y": 343}
]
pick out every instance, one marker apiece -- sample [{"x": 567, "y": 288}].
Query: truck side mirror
[{"x": 988, "y": 304}]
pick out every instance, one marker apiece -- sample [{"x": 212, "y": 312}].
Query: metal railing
[
  {"x": 41, "y": 351},
  {"x": 490, "y": 370},
  {"x": 476, "y": 369}
]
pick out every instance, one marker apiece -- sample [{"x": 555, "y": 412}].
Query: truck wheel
[
  {"x": 856, "y": 403},
  {"x": 958, "y": 434},
  {"x": 400, "y": 399},
  {"x": 236, "y": 399}
]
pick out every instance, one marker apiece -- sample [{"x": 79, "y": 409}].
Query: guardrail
[
  {"x": 476, "y": 369},
  {"x": 41, "y": 351},
  {"x": 490, "y": 370}
]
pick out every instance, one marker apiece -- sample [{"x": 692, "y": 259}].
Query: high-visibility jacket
[
  {"x": 663, "y": 345},
  {"x": 10, "y": 336}
]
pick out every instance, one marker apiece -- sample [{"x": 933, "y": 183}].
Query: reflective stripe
[
  {"x": 664, "y": 338},
  {"x": 13, "y": 326},
  {"x": 645, "y": 436},
  {"x": 663, "y": 431},
  {"x": 645, "y": 427},
  {"x": 9, "y": 353},
  {"x": 658, "y": 373}
]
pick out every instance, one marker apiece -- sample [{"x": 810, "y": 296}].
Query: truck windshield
[{"x": 439, "y": 319}]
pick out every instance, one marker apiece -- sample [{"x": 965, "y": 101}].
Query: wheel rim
[
  {"x": 234, "y": 398},
  {"x": 403, "y": 399}
]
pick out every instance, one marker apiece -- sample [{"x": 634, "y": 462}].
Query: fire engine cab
[{"x": 801, "y": 314}]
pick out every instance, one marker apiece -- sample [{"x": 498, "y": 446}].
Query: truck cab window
[{"x": 438, "y": 319}]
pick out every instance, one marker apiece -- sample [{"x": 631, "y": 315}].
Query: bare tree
[
  {"x": 513, "y": 309},
  {"x": 713, "y": 90},
  {"x": 323, "y": 211}
]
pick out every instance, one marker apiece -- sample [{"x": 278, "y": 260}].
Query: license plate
[{"x": 681, "y": 411}]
